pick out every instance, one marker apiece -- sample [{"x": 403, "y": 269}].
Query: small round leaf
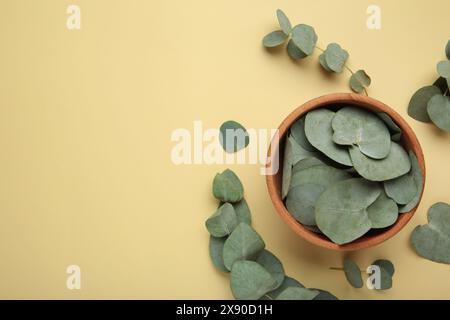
[
  {"x": 359, "y": 80},
  {"x": 301, "y": 202},
  {"x": 439, "y": 111},
  {"x": 417, "y": 108},
  {"x": 284, "y": 22},
  {"x": 233, "y": 136},
  {"x": 223, "y": 221},
  {"x": 305, "y": 38},
  {"x": 227, "y": 187},
  {"x": 353, "y": 273},
  {"x": 383, "y": 212},
  {"x": 335, "y": 57},
  {"x": 272, "y": 264},
  {"x": 274, "y": 39},
  {"x": 294, "y": 52},
  {"x": 402, "y": 189},
  {"x": 443, "y": 69}
]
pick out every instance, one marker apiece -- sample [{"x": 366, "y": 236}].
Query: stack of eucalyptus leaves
[
  {"x": 345, "y": 172},
  {"x": 256, "y": 273}
]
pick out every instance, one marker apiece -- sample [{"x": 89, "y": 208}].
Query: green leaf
[
  {"x": 274, "y": 39},
  {"x": 432, "y": 241},
  {"x": 341, "y": 211},
  {"x": 397, "y": 137},
  {"x": 416, "y": 172},
  {"x": 319, "y": 133},
  {"x": 301, "y": 202},
  {"x": 233, "y": 136},
  {"x": 298, "y": 133},
  {"x": 383, "y": 212},
  {"x": 447, "y": 50},
  {"x": 324, "y": 295},
  {"x": 392, "y": 126},
  {"x": 386, "y": 273},
  {"x": 356, "y": 126},
  {"x": 306, "y": 163},
  {"x": 402, "y": 189},
  {"x": 288, "y": 159},
  {"x": 353, "y": 273},
  {"x": 396, "y": 164},
  {"x": 305, "y": 38},
  {"x": 323, "y": 62},
  {"x": 287, "y": 282},
  {"x": 272, "y": 264},
  {"x": 284, "y": 22},
  {"x": 216, "y": 252},
  {"x": 227, "y": 187},
  {"x": 443, "y": 69},
  {"x": 244, "y": 243},
  {"x": 417, "y": 108},
  {"x": 335, "y": 57},
  {"x": 223, "y": 221},
  {"x": 359, "y": 80},
  {"x": 242, "y": 212},
  {"x": 386, "y": 265},
  {"x": 321, "y": 175},
  {"x": 250, "y": 281},
  {"x": 442, "y": 84},
  {"x": 296, "y": 293},
  {"x": 298, "y": 152},
  {"x": 314, "y": 229},
  {"x": 294, "y": 52},
  {"x": 439, "y": 111}
]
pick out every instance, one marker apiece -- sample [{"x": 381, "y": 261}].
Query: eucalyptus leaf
[
  {"x": 233, "y": 136},
  {"x": 383, "y": 212},
  {"x": 392, "y": 126},
  {"x": 341, "y": 210},
  {"x": 244, "y": 243},
  {"x": 439, "y": 111},
  {"x": 386, "y": 273},
  {"x": 321, "y": 175},
  {"x": 356, "y": 126},
  {"x": 284, "y": 22},
  {"x": 324, "y": 295},
  {"x": 242, "y": 212},
  {"x": 272, "y": 264},
  {"x": 250, "y": 281},
  {"x": 294, "y": 52},
  {"x": 386, "y": 265},
  {"x": 319, "y": 133},
  {"x": 443, "y": 69},
  {"x": 306, "y": 163},
  {"x": 298, "y": 133},
  {"x": 335, "y": 57},
  {"x": 359, "y": 80},
  {"x": 432, "y": 241},
  {"x": 323, "y": 62},
  {"x": 402, "y": 189},
  {"x": 442, "y": 84},
  {"x": 223, "y": 221},
  {"x": 296, "y": 293},
  {"x": 396, "y": 164},
  {"x": 314, "y": 229},
  {"x": 353, "y": 273},
  {"x": 416, "y": 173},
  {"x": 417, "y": 108},
  {"x": 298, "y": 152},
  {"x": 216, "y": 252},
  {"x": 227, "y": 187},
  {"x": 305, "y": 38},
  {"x": 288, "y": 159},
  {"x": 287, "y": 282},
  {"x": 301, "y": 202},
  {"x": 397, "y": 137},
  {"x": 274, "y": 39}
]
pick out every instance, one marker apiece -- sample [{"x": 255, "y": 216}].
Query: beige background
[{"x": 85, "y": 124}]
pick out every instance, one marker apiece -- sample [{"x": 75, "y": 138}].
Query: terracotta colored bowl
[{"x": 409, "y": 142}]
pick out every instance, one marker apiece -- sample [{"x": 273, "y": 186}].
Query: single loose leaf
[
  {"x": 439, "y": 111},
  {"x": 272, "y": 264},
  {"x": 244, "y": 243},
  {"x": 216, "y": 252},
  {"x": 353, "y": 273},
  {"x": 298, "y": 133},
  {"x": 335, "y": 57},
  {"x": 359, "y": 80},
  {"x": 341, "y": 210},
  {"x": 443, "y": 69},
  {"x": 416, "y": 172},
  {"x": 233, "y": 136},
  {"x": 305, "y": 38},
  {"x": 287, "y": 282},
  {"x": 402, "y": 189},
  {"x": 356, "y": 126},
  {"x": 386, "y": 273},
  {"x": 319, "y": 133},
  {"x": 284, "y": 22},
  {"x": 227, "y": 187},
  {"x": 386, "y": 265},
  {"x": 294, "y": 52},
  {"x": 432, "y": 241},
  {"x": 417, "y": 108},
  {"x": 250, "y": 281},
  {"x": 383, "y": 212},
  {"x": 296, "y": 293},
  {"x": 274, "y": 39},
  {"x": 223, "y": 221},
  {"x": 396, "y": 164},
  {"x": 301, "y": 202}
]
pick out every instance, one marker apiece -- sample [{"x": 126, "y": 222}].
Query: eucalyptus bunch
[
  {"x": 301, "y": 43},
  {"x": 345, "y": 172},
  {"x": 432, "y": 103},
  {"x": 234, "y": 246},
  {"x": 353, "y": 273}
]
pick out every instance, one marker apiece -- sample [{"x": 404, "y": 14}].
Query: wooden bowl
[{"x": 409, "y": 142}]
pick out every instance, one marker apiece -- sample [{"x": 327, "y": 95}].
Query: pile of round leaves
[
  {"x": 344, "y": 173},
  {"x": 234, "y": 246},
  {"x": 354, "y": 277},
  {"x": 432, "y": 103},
  {"x": 301, "y": 43}
]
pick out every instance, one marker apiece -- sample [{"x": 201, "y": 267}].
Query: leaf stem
[{"x": 341, "y": 269}]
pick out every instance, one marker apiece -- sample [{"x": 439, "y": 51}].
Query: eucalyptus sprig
[
  {"x": 234, "y": 246},
  {"x": 301, "y": 42},
  {"x": 432, "y": 103}
]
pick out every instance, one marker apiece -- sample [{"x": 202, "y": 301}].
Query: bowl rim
[{"x": 409, "y": 141}]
